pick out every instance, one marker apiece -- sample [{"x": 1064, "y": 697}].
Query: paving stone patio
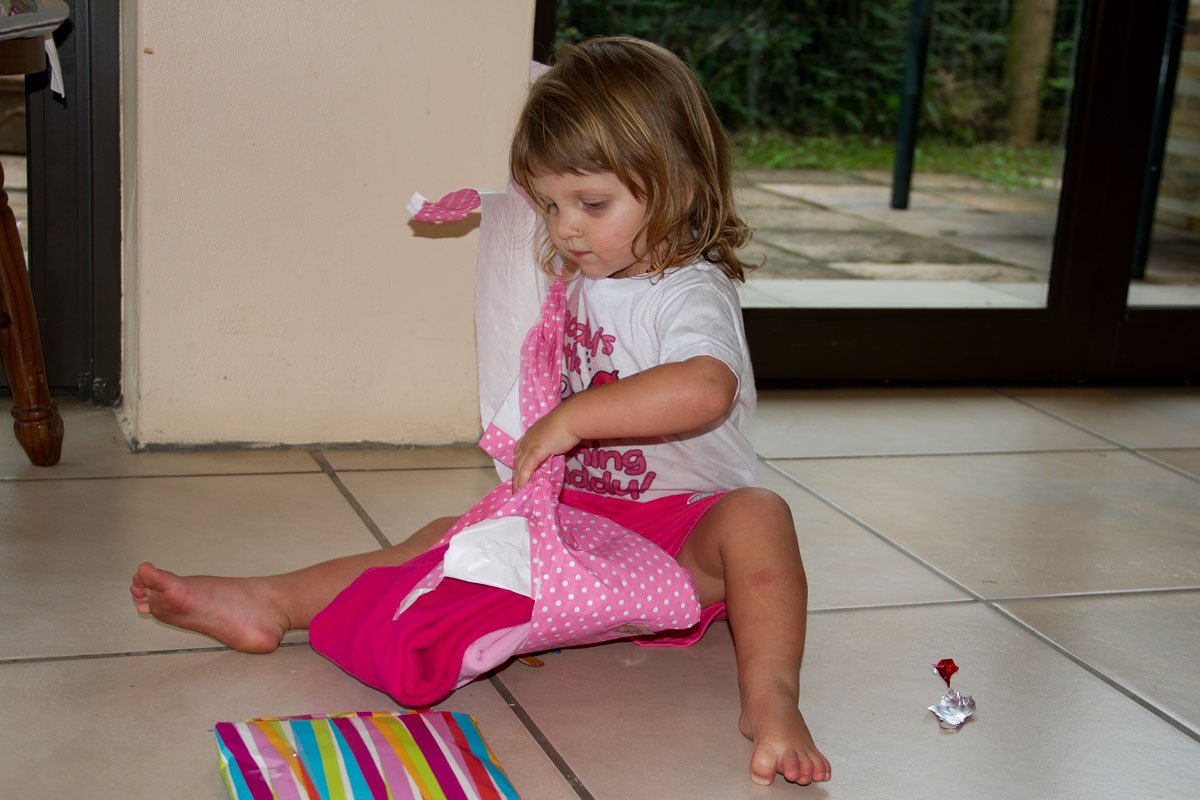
[{"x": 826, "y": 225}]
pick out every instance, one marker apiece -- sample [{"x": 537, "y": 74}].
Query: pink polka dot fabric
[
  {"x": 592, "y": 580},
  {"x": 451, "y": 208}
]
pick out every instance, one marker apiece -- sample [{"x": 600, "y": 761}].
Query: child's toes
[
  {"x": 796, "y": 769},
  {"x": 764, "y": 765}
]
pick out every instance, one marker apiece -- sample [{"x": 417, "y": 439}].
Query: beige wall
[{"x": 274, "y": 292}]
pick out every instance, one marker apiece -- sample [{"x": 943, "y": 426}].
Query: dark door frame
[{"x": 74, "y": 229}]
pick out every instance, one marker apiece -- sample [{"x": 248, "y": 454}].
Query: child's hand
[{"x": 549, "y": 436}]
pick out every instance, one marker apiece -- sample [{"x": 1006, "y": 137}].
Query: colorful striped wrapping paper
[{"x": 431, "y": 755}]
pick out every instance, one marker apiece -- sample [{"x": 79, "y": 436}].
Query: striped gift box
[{"x": 432, "y": 755}]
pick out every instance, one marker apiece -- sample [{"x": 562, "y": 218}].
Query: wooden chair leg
[{"x": 37, "y": 423}]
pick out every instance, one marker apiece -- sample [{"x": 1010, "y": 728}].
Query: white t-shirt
[{"x": 617, "y": 327}]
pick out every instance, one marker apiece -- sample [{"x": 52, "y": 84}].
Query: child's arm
[{"x": 668, "y": 399}]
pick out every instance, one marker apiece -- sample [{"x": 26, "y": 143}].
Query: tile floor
[{"x": 1048, "y": 540}]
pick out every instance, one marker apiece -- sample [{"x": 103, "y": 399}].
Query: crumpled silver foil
[{"x": 954, "y": 709}]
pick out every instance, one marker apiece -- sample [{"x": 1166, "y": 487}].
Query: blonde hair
[{"x": 621, "y": 105}]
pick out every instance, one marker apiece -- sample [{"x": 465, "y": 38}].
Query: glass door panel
[
  {"x": 1166, "y": 269},
  {"x": 831, "y": 240},
  {"x": 977, "y": 229}
]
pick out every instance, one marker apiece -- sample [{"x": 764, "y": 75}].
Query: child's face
[{"x": 593, "y": 219}]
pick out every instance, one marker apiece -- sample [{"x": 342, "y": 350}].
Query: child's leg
[
  {"x": 253, "y": 614},
  {"x": 744, "y": 551}
]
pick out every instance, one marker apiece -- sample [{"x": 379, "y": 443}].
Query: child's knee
[{"x": 761, "y": 505}]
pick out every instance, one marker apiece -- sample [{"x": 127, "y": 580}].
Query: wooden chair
[{"x": 37, "y": 423}]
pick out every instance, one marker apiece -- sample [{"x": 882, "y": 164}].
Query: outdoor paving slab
[
  {"x": 874, "y": 246},
  {"x": 928, "y": 180},
  {"x": 796, "y": 176},
  {"x": 1027, "y": 202},
  {"x": 1141, "y": 294},
  {"x": 1165, "y": 233},
  {"x": 799, "y": 217},
  {"x": 852, "y": 197},
  {"x": 752, "y": 295},
  {"x": 775, "y": 264},
  {"x": 956, "y": 228},
  {"x": 748, "y": 197},
  {"x": 787, "y": 293},
  {"x": 1176, "y": 259},
  {"x": 966, "y": 222},
  {"x": 1030, "y": 252},
  {"x": 996, "y": 273}
]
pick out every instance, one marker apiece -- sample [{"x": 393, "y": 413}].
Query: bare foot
[
  {"x": 238, "y": 612},
  {"x": 782, "y": 742}
]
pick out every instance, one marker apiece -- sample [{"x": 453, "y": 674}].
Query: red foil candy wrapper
[
  {"x": 954, "y": 708},
  {"x": 944, "y": 669}
]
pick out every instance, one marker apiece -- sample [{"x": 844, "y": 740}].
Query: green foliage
[
  {"x": 1028, "y": 167},
  {"x": 834, "y": 67}
]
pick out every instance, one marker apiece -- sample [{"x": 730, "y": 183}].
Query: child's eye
[{"x": 595, "y": 205}]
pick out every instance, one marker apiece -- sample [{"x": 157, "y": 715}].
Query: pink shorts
[{"x": 666, "y": 521}]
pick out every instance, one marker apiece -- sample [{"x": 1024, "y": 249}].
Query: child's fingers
[
  {"x": 524, "y": 465},
  {"x": 521, "y": 472}
]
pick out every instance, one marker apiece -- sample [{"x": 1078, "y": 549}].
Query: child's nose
[{"x": 566, "y": 226}]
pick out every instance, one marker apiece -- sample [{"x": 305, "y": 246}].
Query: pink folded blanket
[{"x": 417, "y": 656}]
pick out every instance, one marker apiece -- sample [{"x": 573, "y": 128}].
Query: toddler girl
[{"x": 621, "y": 153}]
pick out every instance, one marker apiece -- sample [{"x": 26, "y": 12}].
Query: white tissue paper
[
  {"x": 56, "y": 80},
  {"x": 509, "y": 290},
  {"x": 494, "y": 552}
]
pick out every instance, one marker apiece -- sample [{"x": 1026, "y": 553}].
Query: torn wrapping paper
[
  {"x": 366, "y": 754},
  {"x": 519, "y": 572}
]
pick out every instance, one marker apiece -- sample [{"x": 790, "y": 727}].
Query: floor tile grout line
[
  {"x": 945, "y": 454},
  {"x": 331, "y": 473},
  {"x": 1096, "y": 593},
  {"x": 542, "y": 740},
  {"x": 414, "y": 469},
  {"x": 77, "y": 478},
  {"x": 1097, "y": 673},
  {"x": 1060, "y": 418},
  {"x": 877, "y": 534},
  {"x": 246, "y": 474},
  {"x": 1009, "y": 599},
  {"x": 1141, "y": 453},
  {"x": 130, "y": 654},
  {"x": 888, "y": 606},
  {"x": 1131, "y": 449}
]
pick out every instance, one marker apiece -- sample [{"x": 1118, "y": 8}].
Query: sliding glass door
[{"x": 1094, "y": 283}]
